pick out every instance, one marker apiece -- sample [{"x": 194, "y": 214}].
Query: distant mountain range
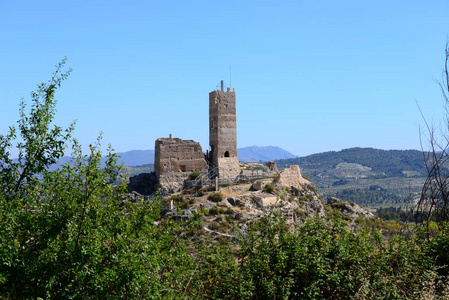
[
  {"x": 268, "y": 153},
  {"x": 131, "y": 158},
  {"x": 136, "y": 157}
]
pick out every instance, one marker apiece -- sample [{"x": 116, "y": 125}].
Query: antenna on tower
[{"x": 230, "y": 78}]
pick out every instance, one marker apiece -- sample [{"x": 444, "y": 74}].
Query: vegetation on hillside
[
  {"x": 352, "y": 173},
  {"x": 390, "y": 162},
  {"x": 70, "y": 233},
  {"x": 367, "y": 196}
]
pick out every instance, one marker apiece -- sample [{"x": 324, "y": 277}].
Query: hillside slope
[
  {"x": 390, "y": 162},
  {"x": 367, "y": 176}
]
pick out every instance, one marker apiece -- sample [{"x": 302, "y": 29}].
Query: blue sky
[{"x": 310, "y": 76}]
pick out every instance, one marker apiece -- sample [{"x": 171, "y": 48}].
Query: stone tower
[{"x": 223, "y": 133}]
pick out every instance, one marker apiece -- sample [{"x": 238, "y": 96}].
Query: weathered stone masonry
[
  {"x": 177, "y": 155},
  {"x": 175, "y": 159},
  {"x": 223, "y": 133}
]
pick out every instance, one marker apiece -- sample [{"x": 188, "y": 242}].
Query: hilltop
[{"x": 367, "y": 176}]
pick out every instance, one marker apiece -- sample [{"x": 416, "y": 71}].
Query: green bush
[
  {"x": 229, "y": 211},
  {"x": 268, "y": 188},
  {"x": 214, "y": 226},
  {"x": 295, "y": 191},
  {"x": 214, "y": 211},
  {"x": 328, "y": 261},
  {"x": 215, "y": 197},
  {"x": 178, "y": 198},
  {"x": 194, "y": 175}
]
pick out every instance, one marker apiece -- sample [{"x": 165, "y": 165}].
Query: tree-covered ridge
[
  {"x": 368, "y": 196},
  {"x": 390, "y": 162}
]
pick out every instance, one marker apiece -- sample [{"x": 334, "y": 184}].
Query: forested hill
[{"x": 391, "y": 162}]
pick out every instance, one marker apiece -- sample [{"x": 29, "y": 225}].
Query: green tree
[
  {"x": 70, "y": 233},
  {"x": 41, "y": 145}
]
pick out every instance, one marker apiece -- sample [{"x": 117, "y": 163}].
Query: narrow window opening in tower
[
  {"x": 225, "y": 106},
  {"x": 226, "y": 154}
]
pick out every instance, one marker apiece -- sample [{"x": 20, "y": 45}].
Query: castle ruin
[
  {"x": 223, "y": 133},
  {"x": 175, "y": 158}
]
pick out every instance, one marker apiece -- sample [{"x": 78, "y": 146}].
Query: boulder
[
  {"x": 257, "y": 186},
  {"x": 143, "y": 183},
  {"x": 234, "y": 201},
  {"x": 349, "y": 209},
  {"x": 264, "y": 200}
]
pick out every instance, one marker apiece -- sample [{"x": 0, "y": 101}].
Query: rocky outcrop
[
  {"x": 234, "y": 201},
  {"x": 264, "y": 199},
  {"x": 257, "y": 186},
  {"x": 296, "y": 203},
  {"x": 228, "y": 167},
  {"x": 143, "y": 183},
  {"x": 291, "y": 176},
  {"x": 272, "y": 166},
  {"x": 349, "y": 209},
  {"x": 173, "y": 182}
]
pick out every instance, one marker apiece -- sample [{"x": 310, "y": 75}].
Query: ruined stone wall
[
  {"x": 291, "y": 176},
  {"x": 175, "y": 159},
  {"x": 223, "y": 132}
]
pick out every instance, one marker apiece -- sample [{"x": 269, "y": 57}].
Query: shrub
[
  {"x": 194, "y": 175},
  {"x": 216, "y": 211},
  {"x": 295, "y": 191},
  {"x": 214, "y": 225},
  {"x": 229, "y": 211},
  {"x": 268, "y": 188},
  {"x": 215, "y": 197},
  {"x": 177, "y": 198},
  {"x": 184, "y": 204}
]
